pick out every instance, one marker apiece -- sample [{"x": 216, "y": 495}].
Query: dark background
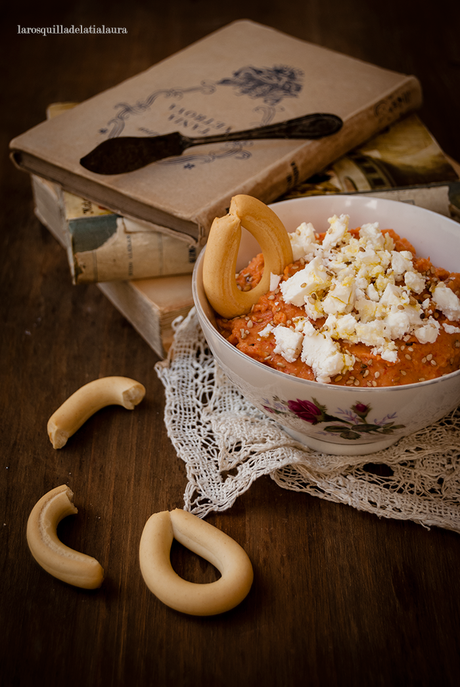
[{"x": 340, "y": 597}]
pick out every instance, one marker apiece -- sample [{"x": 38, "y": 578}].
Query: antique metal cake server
[{"x": 128, "y": 153}]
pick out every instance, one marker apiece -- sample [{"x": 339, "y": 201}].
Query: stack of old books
[{"x": 137, "y": 234}]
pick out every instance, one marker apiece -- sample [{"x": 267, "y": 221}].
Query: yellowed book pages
[{"x": 150, "y": 305}]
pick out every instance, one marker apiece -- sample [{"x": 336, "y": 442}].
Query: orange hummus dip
[{"x": 421, "y": 333}]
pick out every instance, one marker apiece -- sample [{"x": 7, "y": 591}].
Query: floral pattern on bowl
[{"x": 348, "y": 424}]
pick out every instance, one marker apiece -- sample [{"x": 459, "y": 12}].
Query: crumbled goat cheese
[
  {"x": 266, "y": 330},
  {"x": 401, "y": 262},
  {"x": 372, "y": 235},
  {"x": 414, "y": 281},
  {"x": 274, "y": 281},
  {"x": 428, "y": 333},
  {"x": 288, "y": 342},
  {"x": 450, "y": 329},
  {"x": 447, "y": 302},
  {"x": 311, "y": 279},
  {"x": 337, "y": 230},
  {"x": 323, "y": 354},
  {"x": 303, "y": 241},
  {"x": 362, "y": 286}
]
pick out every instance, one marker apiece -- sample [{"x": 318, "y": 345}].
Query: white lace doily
[{"x": 226, "y": 444}]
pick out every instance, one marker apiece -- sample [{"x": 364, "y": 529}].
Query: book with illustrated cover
[{"x": 242, "y": 76}]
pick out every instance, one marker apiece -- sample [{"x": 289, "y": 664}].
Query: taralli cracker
[
  {"x": 51, "y": 554},
  {"x": 87, "y": 400},
  {"x": 209, "y": 543},
  {"x": 219, "y": 265}
]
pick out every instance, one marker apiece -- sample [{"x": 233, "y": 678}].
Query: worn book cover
[{"x": 242, "y": 76}]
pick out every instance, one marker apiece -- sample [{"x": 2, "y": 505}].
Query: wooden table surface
[{"x": 339, "y": 597}]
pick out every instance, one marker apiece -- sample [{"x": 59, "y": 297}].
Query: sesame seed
[
  {"x": 338, "y": 378},
  {"x": 423, "y": 360},
  {"x": 357, "y": 382},
  {"x": 303, "y": 286},
  {"x": 408, "y": 357},
  {"x": 374, "y": 383},
  {"x": 281, "y": 364},
  {"x": 250, "y": 324},
  {"x": 421, "y": 379},
  {"x": 365, "y": 373},
  {"x": 376, "y": 375},
  {"x": 429, "y": 356},
  {"x": 433, "y": 362},
  {"x": 271, "y": 297},
  {"x": 404, "y": 373}
]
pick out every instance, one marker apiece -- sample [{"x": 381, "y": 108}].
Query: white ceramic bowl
[{"x": 330, "y": 418}]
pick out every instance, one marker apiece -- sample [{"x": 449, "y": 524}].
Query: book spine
[
  {"x": 150, "y": 319},
  {"x": 104, "y": 248}
]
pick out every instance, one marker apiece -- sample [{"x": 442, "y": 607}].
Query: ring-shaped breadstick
[
  {"x": 89, "y": 399},
  {"x": 50, "y": 553},
  {"x": 219, "y": 263},
  {"x": 208, "y": 542}
]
